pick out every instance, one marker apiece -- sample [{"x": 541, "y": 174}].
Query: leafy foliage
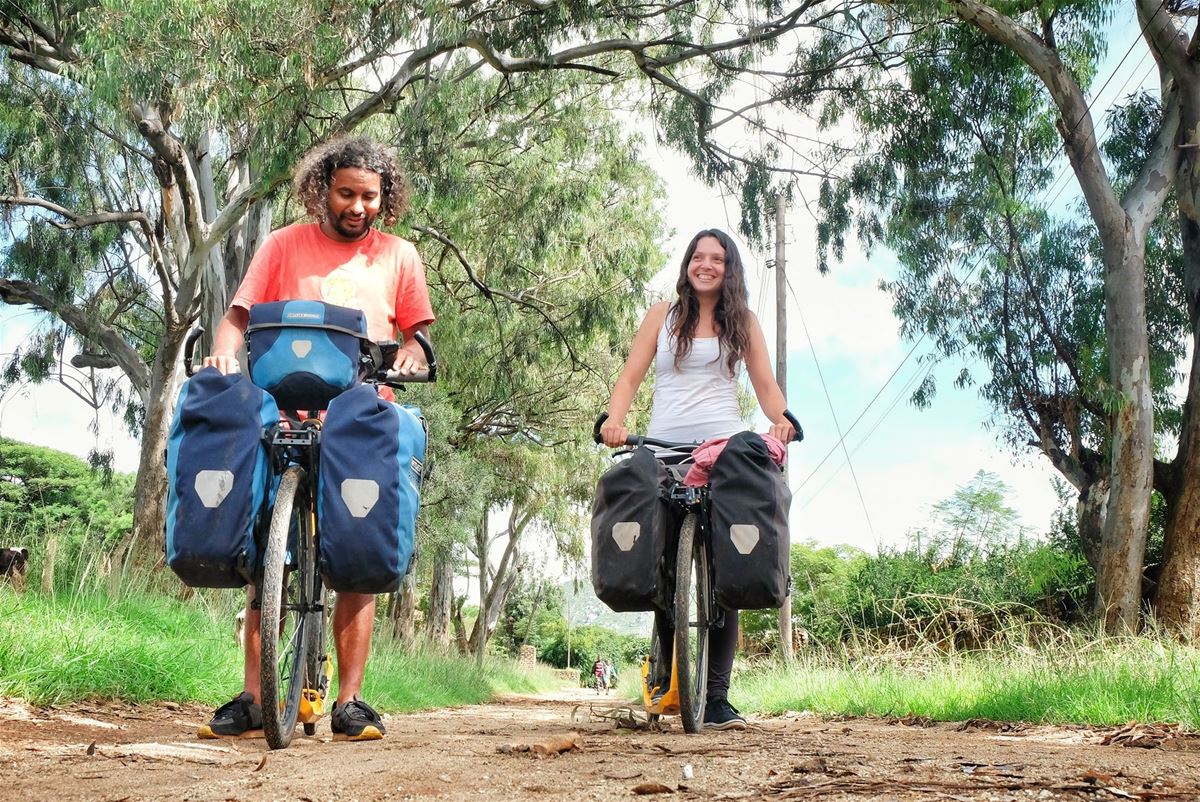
[{"x": 46, "y": 494}]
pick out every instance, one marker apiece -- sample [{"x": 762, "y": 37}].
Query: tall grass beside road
[
  {"x": 1074, "y": 679},
  {"x": 146, "y": 647}
]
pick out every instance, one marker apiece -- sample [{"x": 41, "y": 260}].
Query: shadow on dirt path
[{"x": 118, "y": 753}]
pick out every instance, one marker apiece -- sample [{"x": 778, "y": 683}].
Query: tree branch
[{"x": 16, "y": 293}]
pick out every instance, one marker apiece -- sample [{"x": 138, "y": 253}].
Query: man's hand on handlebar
[
  {"x": 613, "y": 433},
  {"x": 226, "y": 363},
  {"x": 407, "y": 362}
]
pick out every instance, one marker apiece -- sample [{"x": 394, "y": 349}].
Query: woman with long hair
[{"x": 697, "y": 343}]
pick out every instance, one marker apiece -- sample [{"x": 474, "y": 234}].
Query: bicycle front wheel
[
  {"x": 283, "y": 602},
  {"x": 692, "y": 591}
]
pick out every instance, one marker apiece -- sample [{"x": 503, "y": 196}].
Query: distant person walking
[
  {"x": 598, "y": 674},
  {"x": 610, "y": 676}
]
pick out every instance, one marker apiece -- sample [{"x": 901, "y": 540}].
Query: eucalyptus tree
[
  {"x": 968, "y": 103},
  {"x": 158, "y": 135}
]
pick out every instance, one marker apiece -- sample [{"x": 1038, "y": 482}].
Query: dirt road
[{"x": 115, "y": 753}]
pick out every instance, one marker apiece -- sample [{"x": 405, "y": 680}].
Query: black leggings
[{"x": 722, "y": 643}]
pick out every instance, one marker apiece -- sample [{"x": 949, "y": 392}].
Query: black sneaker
[
  {"x": 355, "y": 721},
  {"x": 720, "y": 715},
  {"x": 238, "y": 718}
]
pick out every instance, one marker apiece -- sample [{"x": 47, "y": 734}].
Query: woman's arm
[
  {"x": 770, "y": 397},
  {"x": 641, "y": 354}
]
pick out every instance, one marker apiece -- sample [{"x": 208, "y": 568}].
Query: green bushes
[
  {"x": 589, "y": 643},
  {"x": 970, "y": 575},
  {"x": 61, "y": 509}
]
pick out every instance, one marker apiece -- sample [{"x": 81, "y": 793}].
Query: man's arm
[
  {"x": 228, "y": 339},
  {"x": 410, "y": 358}
]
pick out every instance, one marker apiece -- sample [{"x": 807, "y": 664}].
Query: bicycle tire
[
  {"x": 692, "y": 591},
  {"x": 282, "y": 599}
]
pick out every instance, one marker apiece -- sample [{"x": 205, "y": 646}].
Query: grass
[
  {"x": 146, "y": 647},
  {"x": 1074, "y": 681}
]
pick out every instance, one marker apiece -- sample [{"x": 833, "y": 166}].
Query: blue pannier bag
[
  {"x": 372, "y": 452},
  {"x": 217, "y": 479},
  {"x": 304, "y": 353}
]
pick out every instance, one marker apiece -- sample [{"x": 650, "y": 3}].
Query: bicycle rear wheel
[
  {"x": 691, "y": 623},
  {"x": 283, "y": 599}
]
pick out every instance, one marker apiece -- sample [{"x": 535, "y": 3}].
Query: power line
[
  {"x": 832, "y": 410},
  {"x": 986, "y": 249}
]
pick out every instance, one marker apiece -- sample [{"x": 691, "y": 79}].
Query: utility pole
[{"x": 785, "y": 612}]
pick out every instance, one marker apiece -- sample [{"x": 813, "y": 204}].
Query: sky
[{"x": 843, "y": 348}]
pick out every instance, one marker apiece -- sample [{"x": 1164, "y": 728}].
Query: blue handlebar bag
[{"x": 304, "y": 353}]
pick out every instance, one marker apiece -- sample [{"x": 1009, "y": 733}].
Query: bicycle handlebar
[
  {"x": 393, "y": 378},
  {"x": 390, "y": 378},
  {"x": 639, "y": 439},
  {"x": 189, "y": 347}
]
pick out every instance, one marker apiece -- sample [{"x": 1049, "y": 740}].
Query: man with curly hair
[{"x": 342, "y": 259}]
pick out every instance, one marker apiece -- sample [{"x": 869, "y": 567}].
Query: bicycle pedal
[{"x": 312, "y": 706}]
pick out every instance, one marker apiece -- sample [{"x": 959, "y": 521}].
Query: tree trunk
[
  {"x": 479, "y": 634},
  {"x": 490, "y": 615},
  {"x": 460, "y": 629},
  {"x": 1091, "y": 510},
  {"x": 1118, "y": 578},
  {"x": 404, "y": 610},
  {"x": 1177, "y": 597},
  {"x": 48, "y": 561},
  {"x": 145, "y": 542},
  {"x": 441, "y": 599}
]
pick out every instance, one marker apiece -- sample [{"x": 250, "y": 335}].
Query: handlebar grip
[
  {"x": 189, "y": 347},
  {"x": 430, "y": 358},
  {"x": 596, "y": 429},
  {"x": 799, "y": 437},
  {"x": 395, "y": 377}
]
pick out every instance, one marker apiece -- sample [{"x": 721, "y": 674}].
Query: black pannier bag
[
  {"x": 631, "y": 524},
  {"x": 217, "y": 479},
  {"x": 749, "y": 511},
  {"x": 368, "y": 491}
]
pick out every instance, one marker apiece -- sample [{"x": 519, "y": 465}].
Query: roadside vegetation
[
  {"x": 975, "y": 617},
  {"x": 146, "y": 647}
]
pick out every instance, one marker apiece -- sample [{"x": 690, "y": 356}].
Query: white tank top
[{"x": 698, "y": 401}]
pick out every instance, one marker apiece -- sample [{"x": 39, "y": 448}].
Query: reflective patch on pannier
[
  {"x": 367, "y": 491},
  {"x": 217, "y": 479},
  {"x": 304, "y": 353},
  {"x": 359, "y": 496},
  {"x": 631, "y": 525},
  {"x": 744, "y": 537},
  {"x": 626, "y": 534},
  {"x": 213, "y": 486},
  {"x": 748, "y": 506}
]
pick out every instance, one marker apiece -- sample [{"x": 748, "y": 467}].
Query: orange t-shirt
[{"x": 381, "y": 274}]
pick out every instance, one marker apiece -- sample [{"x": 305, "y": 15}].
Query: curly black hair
[{"x": 316, "y": 168}]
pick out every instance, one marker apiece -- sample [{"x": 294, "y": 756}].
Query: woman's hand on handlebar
[
  {"x": 613, "y": 433},
  {"x": 783, "y": 431},
  {"x": 226, "y": 363}
]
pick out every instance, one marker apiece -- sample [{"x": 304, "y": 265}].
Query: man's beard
[{"x": 346, "y": 230}]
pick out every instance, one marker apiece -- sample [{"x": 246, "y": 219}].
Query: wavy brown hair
[
  {"x": 732, "y": 311},
  {"x": 316, "y": 169}
]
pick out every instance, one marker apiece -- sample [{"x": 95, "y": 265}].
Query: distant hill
[{"x": 584, "y": 608}]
